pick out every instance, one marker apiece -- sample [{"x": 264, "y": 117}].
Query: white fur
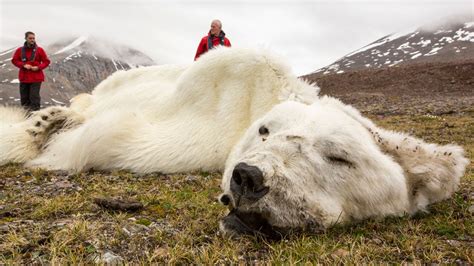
[
  {"x": 387, "y": 173},
  {"x": 161, "y": 118},
  {"x": 15, "y": 144}
]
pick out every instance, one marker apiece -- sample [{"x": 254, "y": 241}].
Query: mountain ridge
[
  {"x": 78, "y": 64},
  {"x": 447, "y": 42}
]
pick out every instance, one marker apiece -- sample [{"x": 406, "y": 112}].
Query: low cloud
[{"x": 311, "y": 34}]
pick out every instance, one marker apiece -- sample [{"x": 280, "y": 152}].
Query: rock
[
  {"x": 109, "y": 258},
  {"x": 4, "y": 228},
  {"x": 64, "y": 184},
  {"x": 61, "y": 223},
  {"x": 191, "y": 179},
  {"x": 161, "y": 252},
  {"x": 134, "y": 229},
  {"x": 377, "y": 241},
  {"x": 471, "y": 209},
  {"x": 471, "y": 196},
  {"x": 454, "y": 243},
  {"x": 339, "y": 253},
  {"x": 126, "y": 231},
  {"x": 119, "y": 204},
  {"x": 60, "y": 173}
]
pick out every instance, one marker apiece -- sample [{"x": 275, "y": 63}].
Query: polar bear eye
[
  {"x": 263, "y": 130},
  {"x": 338, "y": 160}
]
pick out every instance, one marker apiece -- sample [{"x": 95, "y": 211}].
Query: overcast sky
[{"x": 311, "y": 34}]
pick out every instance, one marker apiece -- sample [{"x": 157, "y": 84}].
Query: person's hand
[
  {"x": 27, "y": 66},
  {"x": 34, "y": 68}
]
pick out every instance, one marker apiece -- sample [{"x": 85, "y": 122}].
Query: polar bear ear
[{"x": 432, "y": 171}]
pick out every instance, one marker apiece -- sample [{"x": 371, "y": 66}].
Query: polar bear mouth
[{"x": 250, "y": 223}]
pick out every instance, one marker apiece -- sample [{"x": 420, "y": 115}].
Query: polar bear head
[{"x": 307, "y": 167}]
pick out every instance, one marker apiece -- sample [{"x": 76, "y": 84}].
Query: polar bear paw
[{"x": 51, "y": 120}]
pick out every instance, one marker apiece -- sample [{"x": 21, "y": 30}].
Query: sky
[{"x": 310, "y": 34}]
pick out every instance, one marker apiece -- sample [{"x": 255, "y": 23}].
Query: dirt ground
[{"x": 427, "y": 88}]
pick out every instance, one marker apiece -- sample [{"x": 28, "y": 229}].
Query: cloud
[{"x": 311, "y": 34}]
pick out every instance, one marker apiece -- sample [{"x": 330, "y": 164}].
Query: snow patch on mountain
[
  {"x": 73, "y": 45},
  {"x": 7, "y": 51},
  {"x": 442, "y": 42}
]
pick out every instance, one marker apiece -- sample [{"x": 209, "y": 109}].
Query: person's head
[
  {"x": 216, "y": 27},
  {"x": 30, "y": 38}
]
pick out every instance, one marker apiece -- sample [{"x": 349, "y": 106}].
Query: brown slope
[{"x": 432, "y": 88}]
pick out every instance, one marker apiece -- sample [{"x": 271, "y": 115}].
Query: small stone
[
  {"x": 377, "y": 241},
  {"x": 64, "y": 184},
  {"x": 61, "y": 223},
  {"x": 341, "y": 253},
  {"x": 471, "y": 209},
  {"x": 190, "y": 179},
  {"x": 137, "y": 228},
  {"x": 126, "y": 231},
  {"x": 160, "y": 252},
  {"x": 454, "y": 243},
  {"x": 60, "y": 173},
  {"x": 4, "y": 228},
  {"x": 109, "y": 258}
]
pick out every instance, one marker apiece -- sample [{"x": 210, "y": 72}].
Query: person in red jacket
[
  {"x": 215, "y": 37},
  {"x": 31, "y": 60}
]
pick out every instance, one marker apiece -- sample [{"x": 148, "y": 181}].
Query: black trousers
[{"x": 30, "y": 96}]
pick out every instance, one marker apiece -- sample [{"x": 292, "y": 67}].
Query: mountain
[
  {"x": 424, "y": 71},
  {"x": 77, "y": 65},
  {"x": 444, "y": 43}
]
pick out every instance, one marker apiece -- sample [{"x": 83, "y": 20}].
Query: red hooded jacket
[
  {"x": 216, "y": 40},
  {"x": 41, "y": 61}
]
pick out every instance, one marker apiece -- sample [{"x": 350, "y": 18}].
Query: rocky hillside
[
  {"x": 77, "y": 65},
  {"x": 446, "y": 42},
  {"x": 416, "y": 72}
]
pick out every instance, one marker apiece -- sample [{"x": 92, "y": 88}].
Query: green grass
[{"x": 43, "y": 223}]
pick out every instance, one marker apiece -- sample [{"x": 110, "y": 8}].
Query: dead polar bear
[
  {"x": 308, "y": 167},
  {"x": 162, "y": 118},
  {"x": 298, "y": 166}
]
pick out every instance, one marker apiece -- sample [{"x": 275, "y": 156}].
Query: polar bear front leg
[{"x": 50, "y": 120}]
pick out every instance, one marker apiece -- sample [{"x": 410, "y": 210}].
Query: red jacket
[
  {"x": 41, "y": 61},
  {"x": 216, "y": 40}
]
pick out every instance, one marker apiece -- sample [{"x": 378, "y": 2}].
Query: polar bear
[
  {"x": 161, "y": 118},
  {"x": 309, "y": 167},
  {"x": 291, "y": 160}
]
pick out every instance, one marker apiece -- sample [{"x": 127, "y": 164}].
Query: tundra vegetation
[{"x": 53, "y": 217}]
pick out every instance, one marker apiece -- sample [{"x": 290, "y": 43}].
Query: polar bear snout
[{"x": 247, "y": 183}]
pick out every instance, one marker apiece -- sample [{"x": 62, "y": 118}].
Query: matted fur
[
  {"x": 326, "y": 164},
  {"x": 159, "y": 118}
]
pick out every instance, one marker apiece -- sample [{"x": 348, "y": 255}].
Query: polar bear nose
[{"x": 247, "y": 182}]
